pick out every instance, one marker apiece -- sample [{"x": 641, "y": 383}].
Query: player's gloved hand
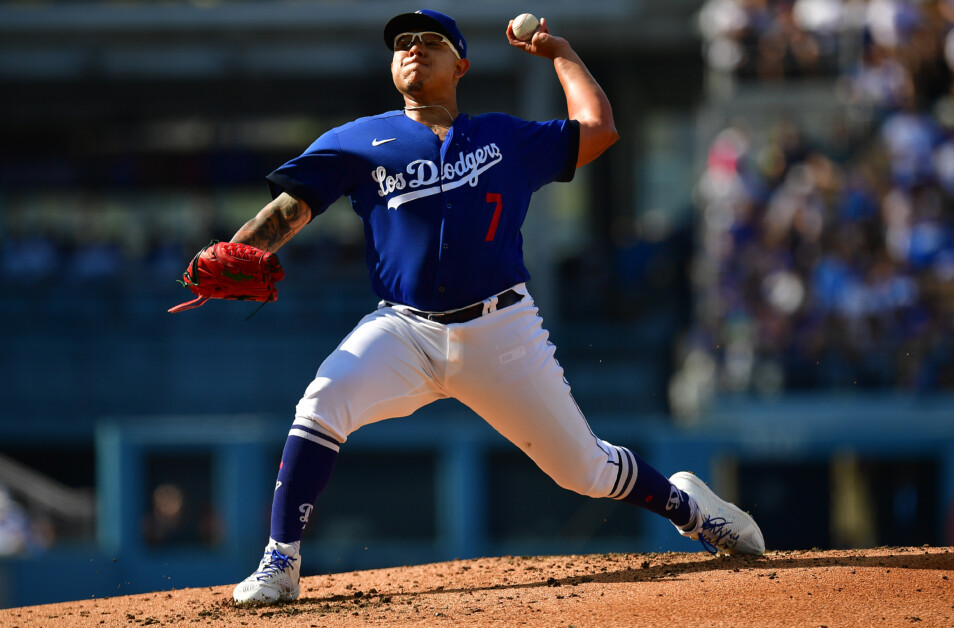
[{"x": 227, "y": 270}]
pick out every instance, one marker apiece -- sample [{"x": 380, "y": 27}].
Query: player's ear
[{"x": 461, "y": 68}]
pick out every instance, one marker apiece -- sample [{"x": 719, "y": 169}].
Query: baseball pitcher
[{"x": 442, "y": 195}]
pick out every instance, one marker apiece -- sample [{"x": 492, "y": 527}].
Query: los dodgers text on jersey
[{"x": 424, "y": 172}]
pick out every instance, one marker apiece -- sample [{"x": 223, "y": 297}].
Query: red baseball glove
[{"x": 226, "y": 270}]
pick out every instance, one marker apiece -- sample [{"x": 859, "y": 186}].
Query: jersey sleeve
[
  {"x": 319, "y": 176},
  {"x": 549, "y": 150}
]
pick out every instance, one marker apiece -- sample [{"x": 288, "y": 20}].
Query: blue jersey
[{"x": 441, "y": 219}]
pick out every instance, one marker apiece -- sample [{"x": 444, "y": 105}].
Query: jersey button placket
[
  {"x": 446, "y": 246},
  {"x": 441, "y": 289}
]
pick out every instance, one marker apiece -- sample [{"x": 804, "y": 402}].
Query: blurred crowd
[
  {"x": 70, "y": 239},
  {"x": 65, "y": 238},
  {"x": 887, "y": 41},
  {"x": 827, "y": 262}
]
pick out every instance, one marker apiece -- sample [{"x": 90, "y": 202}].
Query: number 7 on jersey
[{"x": 493, "y": 197}]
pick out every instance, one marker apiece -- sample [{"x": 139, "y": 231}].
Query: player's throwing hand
[{"x": 541, "y": 44}]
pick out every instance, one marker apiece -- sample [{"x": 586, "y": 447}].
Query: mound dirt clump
[{"x": 873, "y": 587}]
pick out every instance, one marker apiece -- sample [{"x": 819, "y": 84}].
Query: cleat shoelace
[
  {"x": 277, "y": 562},
  {"x": 713, "y": 533}
]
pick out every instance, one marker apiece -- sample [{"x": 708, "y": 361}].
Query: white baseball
[{"x": 524, "y": 26}]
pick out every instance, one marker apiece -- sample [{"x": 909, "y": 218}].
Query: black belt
[{"x": 469, "y": 313}]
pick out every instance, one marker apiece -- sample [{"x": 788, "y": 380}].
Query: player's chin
[{"x": 410, "y": 82}]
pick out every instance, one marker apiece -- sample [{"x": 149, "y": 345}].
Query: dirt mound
[{"x": 876, "y": 587}]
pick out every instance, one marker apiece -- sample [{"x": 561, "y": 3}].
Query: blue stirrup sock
[
  {"x": 307, "y": 462},
  {"x": 654, "y": 492}
]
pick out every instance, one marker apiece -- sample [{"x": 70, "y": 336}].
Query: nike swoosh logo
[{"x": 377, "y": 142}]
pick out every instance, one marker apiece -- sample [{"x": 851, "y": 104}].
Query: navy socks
[
  {"x": 307, "y": 462},
  {"x": 653, "y": 491}
]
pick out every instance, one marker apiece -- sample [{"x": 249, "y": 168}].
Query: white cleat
[
  {"x": 276, "y": 579},
  {"x": 718, "y": 525}
]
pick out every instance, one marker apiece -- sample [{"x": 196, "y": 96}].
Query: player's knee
[{"x": 328, "y": 407}]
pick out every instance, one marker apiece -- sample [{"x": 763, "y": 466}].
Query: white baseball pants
[{"x": 500, "y": 365}]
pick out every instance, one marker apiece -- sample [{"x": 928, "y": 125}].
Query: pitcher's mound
[{"x": 876, "y": 587}]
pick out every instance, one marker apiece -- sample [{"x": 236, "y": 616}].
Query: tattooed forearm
[{"x": 275, "y": 224}]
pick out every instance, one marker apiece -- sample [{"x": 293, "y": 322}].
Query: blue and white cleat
[
  {"x": 718, "y": 525},
  {"x": 276, "y": 579}
]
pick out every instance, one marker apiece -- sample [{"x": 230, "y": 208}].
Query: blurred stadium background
[{"x": 756, "y": 283}]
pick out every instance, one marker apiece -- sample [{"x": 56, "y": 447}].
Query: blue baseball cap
[{"x": 425, "y": 20}]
